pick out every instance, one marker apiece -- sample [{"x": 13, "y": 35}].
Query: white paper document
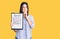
[{"x": 17, "y": 21}]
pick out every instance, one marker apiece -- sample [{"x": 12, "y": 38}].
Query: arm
[{"x": 30, "y": 21}]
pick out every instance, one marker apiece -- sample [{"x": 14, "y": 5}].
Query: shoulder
[{"x": 30, "y": 16}]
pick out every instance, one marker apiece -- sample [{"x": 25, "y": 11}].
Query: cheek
[
  {"x": 26, "y": 9},
  {"x": 23, "y": 9}
]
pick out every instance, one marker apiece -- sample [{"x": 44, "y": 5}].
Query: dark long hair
[{"x": 21, "y": 8}]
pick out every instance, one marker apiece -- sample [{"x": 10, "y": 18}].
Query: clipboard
[{"x": 17, "y": 19}]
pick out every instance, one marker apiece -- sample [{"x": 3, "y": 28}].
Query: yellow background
[{"x": 46, "y": 15}]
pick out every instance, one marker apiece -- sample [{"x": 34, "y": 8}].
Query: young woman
[{"x": 28, "y": 23}]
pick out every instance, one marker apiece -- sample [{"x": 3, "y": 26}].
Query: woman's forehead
[{"x": 24, "y": 5}]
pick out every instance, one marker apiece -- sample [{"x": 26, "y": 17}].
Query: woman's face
[{"x": 24, "y": 8}]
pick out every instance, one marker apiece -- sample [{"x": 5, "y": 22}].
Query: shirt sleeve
[{"x": 32, "y": 20}]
